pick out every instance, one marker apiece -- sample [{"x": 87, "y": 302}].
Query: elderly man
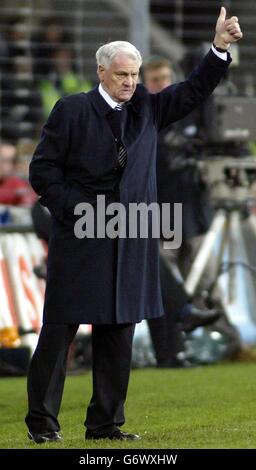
[{"x": 104, "y": 143}]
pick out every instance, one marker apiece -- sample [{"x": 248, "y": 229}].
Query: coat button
[{"x": 115, "y": 169}]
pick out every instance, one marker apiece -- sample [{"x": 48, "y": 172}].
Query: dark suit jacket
[{"x": 104, "y": 280}]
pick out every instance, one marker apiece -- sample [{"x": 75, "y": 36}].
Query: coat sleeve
[
  {"x": 47, "y": 167},
  {"x": 178, "y": 100}
]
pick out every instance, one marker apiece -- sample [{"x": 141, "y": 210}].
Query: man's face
[
  {"x": 7, "y": 154},
  {"x": 120, "y": 79},
  {"x": 157, "y": 79}
]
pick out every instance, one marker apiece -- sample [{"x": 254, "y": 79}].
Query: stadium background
[
  {"x": 171, "y": 28},
  {"x": 174, "y": 28}
]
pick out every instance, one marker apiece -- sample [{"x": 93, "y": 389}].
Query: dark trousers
[
  {"x": 111, "y": 351},
  {"x": 166, "y": 338}
]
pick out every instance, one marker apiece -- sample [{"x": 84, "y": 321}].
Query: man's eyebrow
[{"x": 123, "y": 72}]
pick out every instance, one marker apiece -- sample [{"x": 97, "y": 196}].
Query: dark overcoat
[{"x": 104, "y": 280}]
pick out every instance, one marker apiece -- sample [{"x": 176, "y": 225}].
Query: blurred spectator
[
  {"x": 16, "y": 41},
  {"x": 179, "y": 181},
  {"x": 62, "y": 80},
  {"x": 21, "y": 102},
  {"x": 3, "y": 50},
  {"x": 45, "y": 44},
  {"x": 13, "y": 189}
]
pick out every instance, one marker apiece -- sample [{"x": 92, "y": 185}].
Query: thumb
[{"x": 223, "y": 14}]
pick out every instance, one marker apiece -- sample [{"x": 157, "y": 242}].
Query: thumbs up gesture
[{"x": 227, "y": 30}]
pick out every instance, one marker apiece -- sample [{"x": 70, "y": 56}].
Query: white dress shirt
[
  {"x": 107, "y": 98},
  {"x": 221, "y": 55}
]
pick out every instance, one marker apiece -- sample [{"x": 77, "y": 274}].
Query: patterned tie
[{"x": 122, "y": 154}]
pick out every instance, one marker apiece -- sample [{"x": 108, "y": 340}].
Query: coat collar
[{"x": 103, "y": 107}]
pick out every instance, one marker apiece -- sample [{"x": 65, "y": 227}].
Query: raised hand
[{"x": 227, "y": 30}]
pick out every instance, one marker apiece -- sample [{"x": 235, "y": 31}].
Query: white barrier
[
  {"x": 21, "y": 292},
  {"x": 19, "y": 254},
  {"x": 8, "y": 317}
]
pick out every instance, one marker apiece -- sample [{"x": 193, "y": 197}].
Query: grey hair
[{"x": 106, "y": 53}]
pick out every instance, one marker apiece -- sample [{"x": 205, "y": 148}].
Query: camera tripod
[{"x": 224, "y": 247}]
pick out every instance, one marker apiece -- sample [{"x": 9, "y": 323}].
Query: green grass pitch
[{"x": 205, "y": 407}]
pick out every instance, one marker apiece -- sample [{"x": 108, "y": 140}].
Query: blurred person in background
[
  {"x": 181, "y": 315},
  {"x": 3, "y": 49},
  {"x": 20, "y": 100},
  {"x": 14, "y": 191},
  {"x": 179, "y": 181},
  {"x": 50, "y": 38},
  {"x": 62, "y": 79},
  {"x": 16, "y": 39}
]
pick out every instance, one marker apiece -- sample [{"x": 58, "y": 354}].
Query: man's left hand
[{"x": 227, "y": 30}]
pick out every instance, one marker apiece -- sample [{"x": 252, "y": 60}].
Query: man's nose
[{"x": 128, "y": 81}]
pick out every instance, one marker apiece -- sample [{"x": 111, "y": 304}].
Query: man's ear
[{"x": 100, "y": 71}]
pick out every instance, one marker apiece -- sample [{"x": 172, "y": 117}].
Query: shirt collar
[
  {"x": 102, "y": 107},
  {"x": 106, "y": 97}
]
